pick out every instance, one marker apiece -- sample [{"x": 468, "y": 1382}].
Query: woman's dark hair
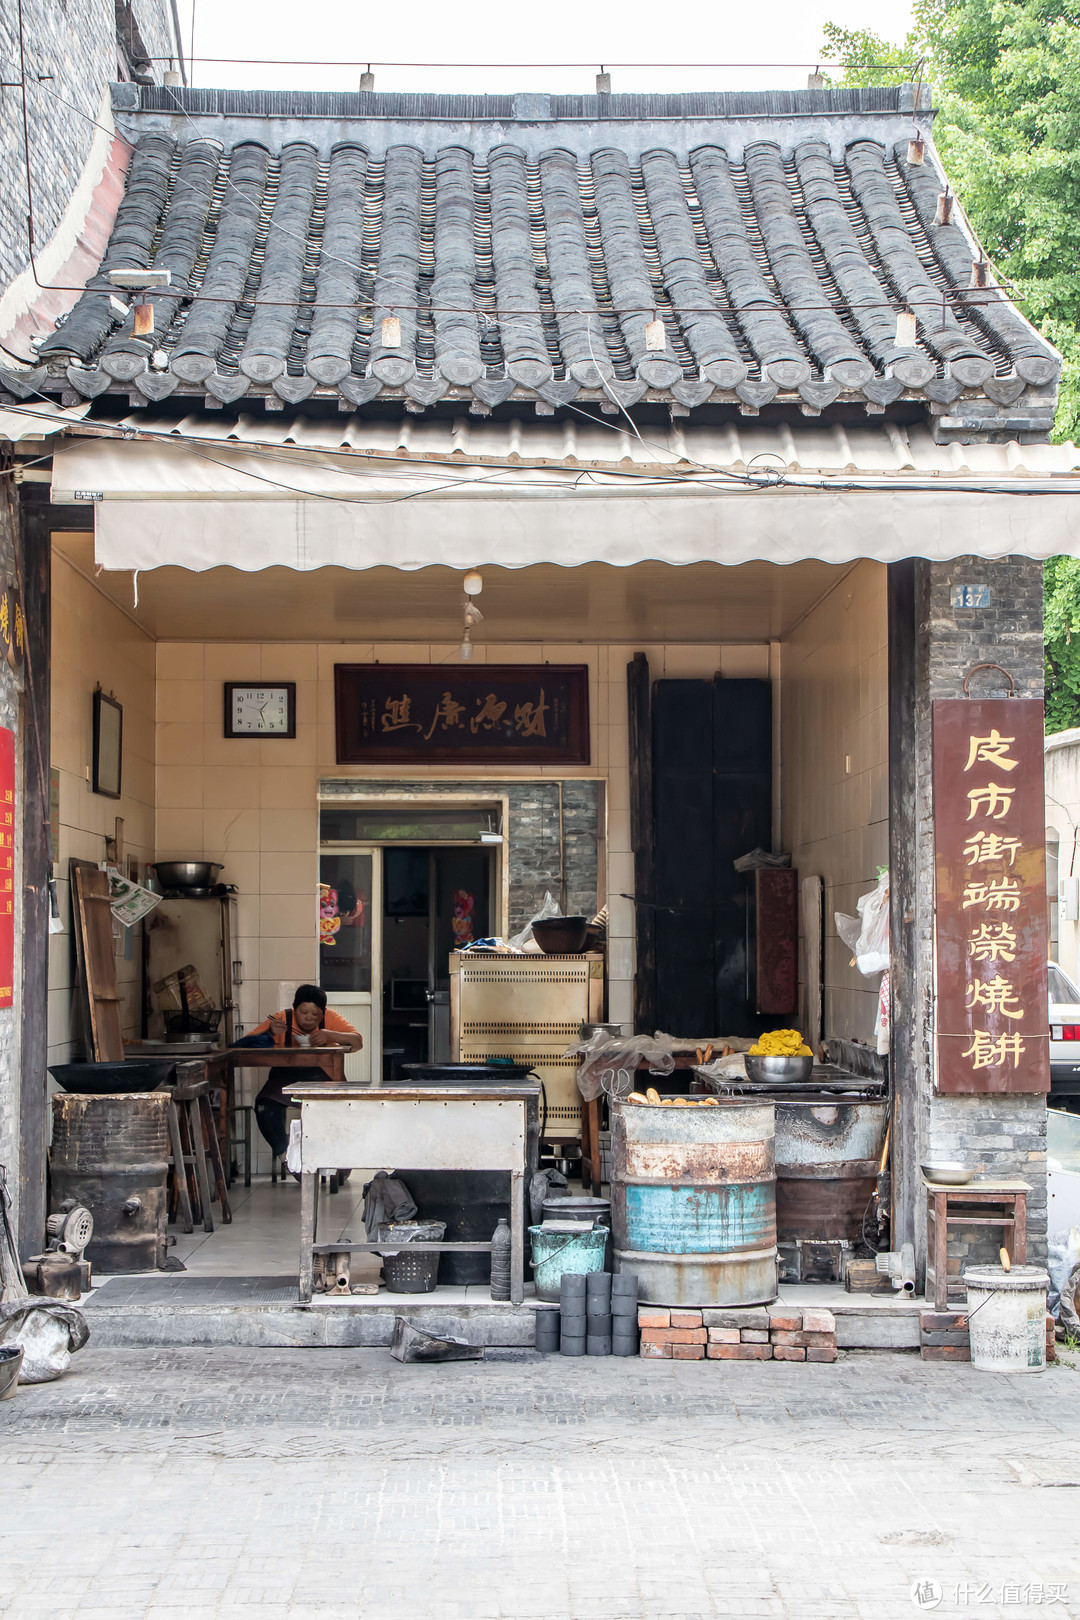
[{"x": 312, "y": 993}]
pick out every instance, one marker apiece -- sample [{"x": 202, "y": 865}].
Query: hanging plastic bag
[
  {"x": 292, "y": 1152},
  {"x": 867, "y": 935},
  {"x": 550, "y": 908}
]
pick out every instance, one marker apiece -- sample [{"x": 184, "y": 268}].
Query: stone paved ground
[{"x": 265, "y": 1484}]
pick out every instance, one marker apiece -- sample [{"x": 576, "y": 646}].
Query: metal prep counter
[{"x": 437, "y": 1127}]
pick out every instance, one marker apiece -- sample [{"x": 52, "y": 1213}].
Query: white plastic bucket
[{"x": 1007, "y": 1318}]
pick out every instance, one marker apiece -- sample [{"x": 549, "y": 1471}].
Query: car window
[{"x": 1062, "y": 991}]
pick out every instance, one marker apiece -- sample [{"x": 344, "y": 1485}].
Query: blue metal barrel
[{"x": 693, "y": 1201}]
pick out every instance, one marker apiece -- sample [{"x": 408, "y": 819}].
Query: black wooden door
[{"x": 712, "y": 802}]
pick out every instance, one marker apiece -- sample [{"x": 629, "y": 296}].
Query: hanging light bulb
[
  {"x": 474, "y": 582},
  {"x": 391, "y": 332}
]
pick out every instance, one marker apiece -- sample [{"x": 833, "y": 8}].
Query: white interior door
[{"x": 350, "y": 949}]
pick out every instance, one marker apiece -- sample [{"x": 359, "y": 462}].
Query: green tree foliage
[
  {"x": 1062, "y": 637},
  {"x": 1006, "y": 77}
]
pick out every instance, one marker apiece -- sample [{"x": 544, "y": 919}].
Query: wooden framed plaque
[{"x": 438, "y": 714}]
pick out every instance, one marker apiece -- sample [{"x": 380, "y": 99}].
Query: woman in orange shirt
[{"x": 308, "y": 1022}]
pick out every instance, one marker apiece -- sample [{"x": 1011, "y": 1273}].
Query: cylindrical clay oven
[{"x": 111, "y": 1154}]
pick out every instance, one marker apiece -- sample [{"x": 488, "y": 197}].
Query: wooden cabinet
[{"x": 529, "y": 1008}]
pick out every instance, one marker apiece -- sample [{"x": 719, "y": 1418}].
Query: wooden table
[
  {"x": 424, "y": 1128},
  {"x": 945, "y": 1205}
]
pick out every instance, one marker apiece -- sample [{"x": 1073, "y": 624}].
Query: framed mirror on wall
[{"x": 108, "y": 745}]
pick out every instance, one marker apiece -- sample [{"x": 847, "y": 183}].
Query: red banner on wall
[
  {"x": 990, "y": 902},
  {"x": 7, "y": 867}
]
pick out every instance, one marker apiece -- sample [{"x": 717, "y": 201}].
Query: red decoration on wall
[
  {"x": 989, "y": 815},
  {"x": 7, "y": 867}
]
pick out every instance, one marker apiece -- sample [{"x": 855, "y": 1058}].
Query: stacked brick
[
  {"x": 756, "y": 1333},
  {"x": 943, "y": 1336}
]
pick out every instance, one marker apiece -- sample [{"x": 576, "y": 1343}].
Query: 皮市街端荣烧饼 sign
[{"x": 990, "y": 896}]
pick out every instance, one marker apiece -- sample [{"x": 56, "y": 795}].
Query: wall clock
[{"x": 262, "y": 709}]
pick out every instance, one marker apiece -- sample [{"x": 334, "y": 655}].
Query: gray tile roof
[{"x": 526, "y": 244}]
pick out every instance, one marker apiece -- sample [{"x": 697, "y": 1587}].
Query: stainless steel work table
[{"x": 469, "y": 1127}]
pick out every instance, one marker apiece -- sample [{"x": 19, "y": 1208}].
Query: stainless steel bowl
[
  {"x": 779, "y": 1071},
  {"x": 187, "y": 874},
  {"x": 948, "y": 1174}
]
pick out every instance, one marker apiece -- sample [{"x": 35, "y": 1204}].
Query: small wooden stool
[
  {"x": 191, "y": 1098},
  {"x": 1006, "y": 1206}
]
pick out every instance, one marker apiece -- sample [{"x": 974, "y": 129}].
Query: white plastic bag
[
  {"x": 550, "y": 908},
  {"x": 48, "y": 1331},
  {"x": 1063, "y": 1264},
  {"x": 292, "y": 1155},
  {"x": 867, "y": 936}
]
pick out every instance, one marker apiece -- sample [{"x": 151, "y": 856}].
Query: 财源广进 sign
[{"x": 990, "y": 896}]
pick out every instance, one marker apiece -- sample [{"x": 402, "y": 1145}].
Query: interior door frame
[
  {"x": 386, "y": 802},
  {"x": 344, "y": 1000}
]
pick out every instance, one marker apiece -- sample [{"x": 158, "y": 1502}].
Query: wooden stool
[
  {"x": 1006, "y": 1206},
  {"x": 243, "y": 1138},
  {"x": 191, "y": 1105}
]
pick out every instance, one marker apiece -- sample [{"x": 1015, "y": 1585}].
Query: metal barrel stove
[
  {"x": 827, "y": 1153},
  {"x": 111, "y": 1154},
  {"x": 693, "y": 1202}
]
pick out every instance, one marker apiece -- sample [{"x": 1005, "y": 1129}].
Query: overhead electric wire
[{"x": 539, "y": 67}]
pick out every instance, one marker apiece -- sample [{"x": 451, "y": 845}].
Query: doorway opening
[{"x": 400, "y": 888}]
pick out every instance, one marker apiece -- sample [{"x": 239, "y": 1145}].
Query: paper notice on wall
[{"x": 129, "y": 902}]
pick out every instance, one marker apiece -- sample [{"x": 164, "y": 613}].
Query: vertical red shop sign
[
  {"x": 7, "y": 867},
  {"x": 990, "y": 901}
]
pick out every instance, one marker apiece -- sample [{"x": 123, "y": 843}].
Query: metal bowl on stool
[
  {"x": 779, "y": 1071},
  {"x": 948, "y": 1174}
]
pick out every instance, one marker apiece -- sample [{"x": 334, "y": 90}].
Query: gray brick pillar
[{"x": 932, "y": 647}]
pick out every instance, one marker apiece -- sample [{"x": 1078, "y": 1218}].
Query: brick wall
[
  {"x": 74, "y": 41},
  {"x": 533, "y": 837},
  {"x": 1006, "y": 1135}
]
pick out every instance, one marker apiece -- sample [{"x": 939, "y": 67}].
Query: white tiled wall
[
  {"x": 253, "y": 805},
  {"x": 92, "y": 643},
  {"x": 835, "y": 768}
]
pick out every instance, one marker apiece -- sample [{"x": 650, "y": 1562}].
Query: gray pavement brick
[{"x": 230, "y": 1485}]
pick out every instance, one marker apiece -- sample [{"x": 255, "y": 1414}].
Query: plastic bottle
[{"x": 500, "y": 1261}]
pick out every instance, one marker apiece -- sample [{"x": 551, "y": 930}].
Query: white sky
[{"x": 782, "y": 38}]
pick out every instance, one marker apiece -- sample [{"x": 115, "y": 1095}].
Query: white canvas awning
[{"x": 516, "y": 496}]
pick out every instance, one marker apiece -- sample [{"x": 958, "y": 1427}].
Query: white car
[{"x": 1064, "y": 1040}]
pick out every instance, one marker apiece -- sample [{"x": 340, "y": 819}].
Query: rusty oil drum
[
  {"x": 827, "y": 1153},
  {"x": 693, "y": 1202},
  {"x": 111, "y": 1154}
]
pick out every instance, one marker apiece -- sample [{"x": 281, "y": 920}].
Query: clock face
[{"x": 260, "y": 711}]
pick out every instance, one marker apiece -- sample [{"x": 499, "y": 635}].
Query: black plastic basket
[{"x": 411, "y": 1269}]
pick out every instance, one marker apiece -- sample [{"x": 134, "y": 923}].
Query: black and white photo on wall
[{"x": 108, "y": 745}]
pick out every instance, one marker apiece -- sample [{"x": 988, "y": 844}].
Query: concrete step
[{"x": 174, "y": 1312}]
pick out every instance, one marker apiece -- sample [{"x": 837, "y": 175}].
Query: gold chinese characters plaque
[{"x": 990, "y": 896}]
